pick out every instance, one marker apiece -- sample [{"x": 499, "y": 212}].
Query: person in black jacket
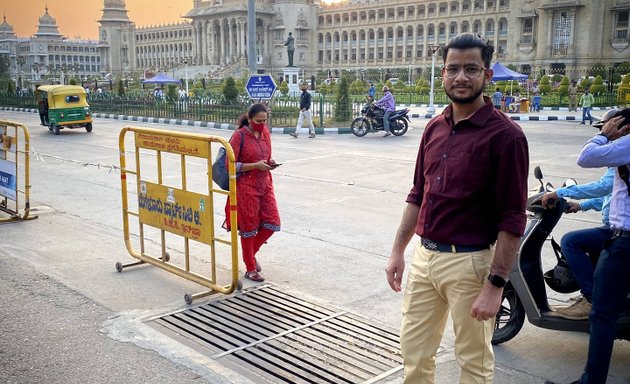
[{"x": 305, "y": 113}]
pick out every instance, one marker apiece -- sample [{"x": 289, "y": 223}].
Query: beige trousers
[{"x": 440, "y": 282}]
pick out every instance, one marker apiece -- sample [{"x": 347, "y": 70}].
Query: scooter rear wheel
[{"x": 510, "y": 318}]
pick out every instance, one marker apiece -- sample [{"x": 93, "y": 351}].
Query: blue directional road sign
[{"x": 260, "y": 87}]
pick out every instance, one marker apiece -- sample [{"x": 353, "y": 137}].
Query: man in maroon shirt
[{"x": 468, "y": 205}]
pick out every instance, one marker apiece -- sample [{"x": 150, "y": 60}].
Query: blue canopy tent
[
  {"x": 504, "y": 73},
  {"x": 161, "y": 79}
]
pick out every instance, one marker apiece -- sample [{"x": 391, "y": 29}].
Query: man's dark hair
[{"x": 468, "y": 41}]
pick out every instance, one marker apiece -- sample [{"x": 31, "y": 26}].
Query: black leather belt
[
  {"x": 621, "y": 233},
  {"x": 440, "y": 247}
]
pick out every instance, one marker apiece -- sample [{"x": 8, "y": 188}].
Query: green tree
[
  {"x": 598, "y": 87},
  {"x": 563, "y": 89},
  {"x": 284, "y": 87},
  {"x": 121, "y": 88},
  {"x": 343, "y": 104},
  {"x": 171, "y": 93},
  {"x": 10, "y": 87},
  {"x": 545, "y": 85},
  {"x": 230, "y": 92}
]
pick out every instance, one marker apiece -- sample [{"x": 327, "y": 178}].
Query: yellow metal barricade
[
  {"x": 177, "y": 210},
  {"x": 15, "y": 184}
]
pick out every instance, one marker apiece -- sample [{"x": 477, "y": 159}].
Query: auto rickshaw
[{"x": 63, "y": 106}]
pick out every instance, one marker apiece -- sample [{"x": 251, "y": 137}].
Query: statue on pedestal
[{"x": 290, "y": 44}]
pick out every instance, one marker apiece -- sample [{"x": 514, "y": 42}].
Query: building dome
[
  {"x": 114, "y": 11},
  {"x": 5, "y": 27},
  {"x": 47, "y": 27}
]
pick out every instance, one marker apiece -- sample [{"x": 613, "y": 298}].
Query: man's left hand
[
  {"x": 487, "y": 303},
  {"x": 613, "y": 129}
]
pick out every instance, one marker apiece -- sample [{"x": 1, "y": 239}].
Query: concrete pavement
[{"x": 340, "y": 199}]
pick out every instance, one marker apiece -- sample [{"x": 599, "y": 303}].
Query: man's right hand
[
  {"x": 573, "y": 207},
  {"x": 394, "y": 270},
  {"x": 550, "y": 199}
]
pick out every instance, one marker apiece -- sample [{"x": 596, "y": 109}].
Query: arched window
[
  {"x": 452, "y": 29},
  {"x": 489, "y": 27},
  {"x": 420, "y": 31},
  {"x": 503, "y": 26},
  {"x": 477, "y": 26}
]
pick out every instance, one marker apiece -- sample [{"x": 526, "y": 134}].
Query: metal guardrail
[
  {"x": 15, "y": 185},
  {"x": 178, "y": 210}
]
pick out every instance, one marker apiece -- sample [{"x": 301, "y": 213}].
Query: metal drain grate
[{"x": 284, "y": 339}]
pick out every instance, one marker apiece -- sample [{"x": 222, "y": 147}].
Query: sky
[{"x": 78, "y": 18}]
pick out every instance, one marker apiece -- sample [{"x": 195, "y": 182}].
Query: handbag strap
[{"x": 240, "y": 147}]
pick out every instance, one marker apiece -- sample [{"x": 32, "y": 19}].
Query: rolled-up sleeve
[
  {"x": 511, "y": 186},
  {"x": 599, "y": 152}
]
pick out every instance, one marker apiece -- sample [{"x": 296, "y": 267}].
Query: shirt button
[
  {"x": 452, "y": 132},
  {"x": 426, "y": 225},
  {"x": 438, "y": 178},
  {"x": 444, "y": 155}
]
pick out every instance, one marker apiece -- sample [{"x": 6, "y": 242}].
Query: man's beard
[{"x": 465, "y": 100}]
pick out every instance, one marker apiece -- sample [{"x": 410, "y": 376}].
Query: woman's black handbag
[{"x": 220, "y": 173}]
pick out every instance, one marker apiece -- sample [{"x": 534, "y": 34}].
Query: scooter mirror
[
  {"x": 549, "y": 187},
  {"x": 569, "y": 182},
  {"x": 539, "y": 176}
]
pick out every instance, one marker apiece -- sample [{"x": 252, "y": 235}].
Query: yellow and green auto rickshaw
[{"x": 63, "y": 106}]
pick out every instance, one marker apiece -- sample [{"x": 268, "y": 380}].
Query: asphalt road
[{"x": 68, "y": 316}]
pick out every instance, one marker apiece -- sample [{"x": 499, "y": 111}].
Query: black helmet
[
  {"x": 625, "y": 112},
  {"x": 560, "y": 278}
]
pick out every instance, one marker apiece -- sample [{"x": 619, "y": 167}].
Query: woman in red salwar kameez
[{"x": 258, "y": 216}]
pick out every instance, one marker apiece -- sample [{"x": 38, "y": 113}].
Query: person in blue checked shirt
[
  {"x": 389, "y": 104},
  {"x": 582, "y": 247},
  {"x": 609, "y": 148}
]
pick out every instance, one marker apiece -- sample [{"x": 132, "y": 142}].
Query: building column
[
  {"x": 209, "y": 41},
  {"x": 215, "y": 43},
  {"x": 241, "y": 37},
  {"x": 222, "y": 40},
  {"x": 230, "y": 24},
  {"x": 414, "y": 59},
  {"x": 366, "y": 50},
  {"x": 404, "y": 51},
  {"x": 204, "y": 43},
  {"x": 385, "y": 58}
]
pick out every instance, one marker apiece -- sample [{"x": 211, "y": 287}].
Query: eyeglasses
[{"x": 470, "y": 71}]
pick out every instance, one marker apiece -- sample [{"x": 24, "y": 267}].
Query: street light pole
[{"x": 434, "y": 49}]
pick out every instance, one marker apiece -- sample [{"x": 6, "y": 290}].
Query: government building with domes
[{"x": 536, "y": 36}]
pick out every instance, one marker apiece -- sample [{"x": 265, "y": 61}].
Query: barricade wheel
[
  {"x": 88, "y": 127},
  {"x": 188, "y": 298},
  {"x": 119, "y": 266},
  {"x": 167, "y": 256},
  {"x": 239, "y": 285}
]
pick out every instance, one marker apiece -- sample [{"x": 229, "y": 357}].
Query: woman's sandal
[{"x": 254, "y": 276}]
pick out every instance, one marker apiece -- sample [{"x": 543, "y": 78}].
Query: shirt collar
[{"x": 479, "y": 117}]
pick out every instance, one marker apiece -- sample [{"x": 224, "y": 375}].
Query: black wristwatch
[{"x": 497, "y": 281}]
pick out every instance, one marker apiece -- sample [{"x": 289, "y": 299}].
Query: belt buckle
[{"x": 428, "y": 244}]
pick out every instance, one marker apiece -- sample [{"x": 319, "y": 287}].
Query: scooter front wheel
[{"x": 510, "y": 318}]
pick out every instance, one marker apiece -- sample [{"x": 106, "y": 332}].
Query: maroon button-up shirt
[{"x": 471, "y": 178}]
